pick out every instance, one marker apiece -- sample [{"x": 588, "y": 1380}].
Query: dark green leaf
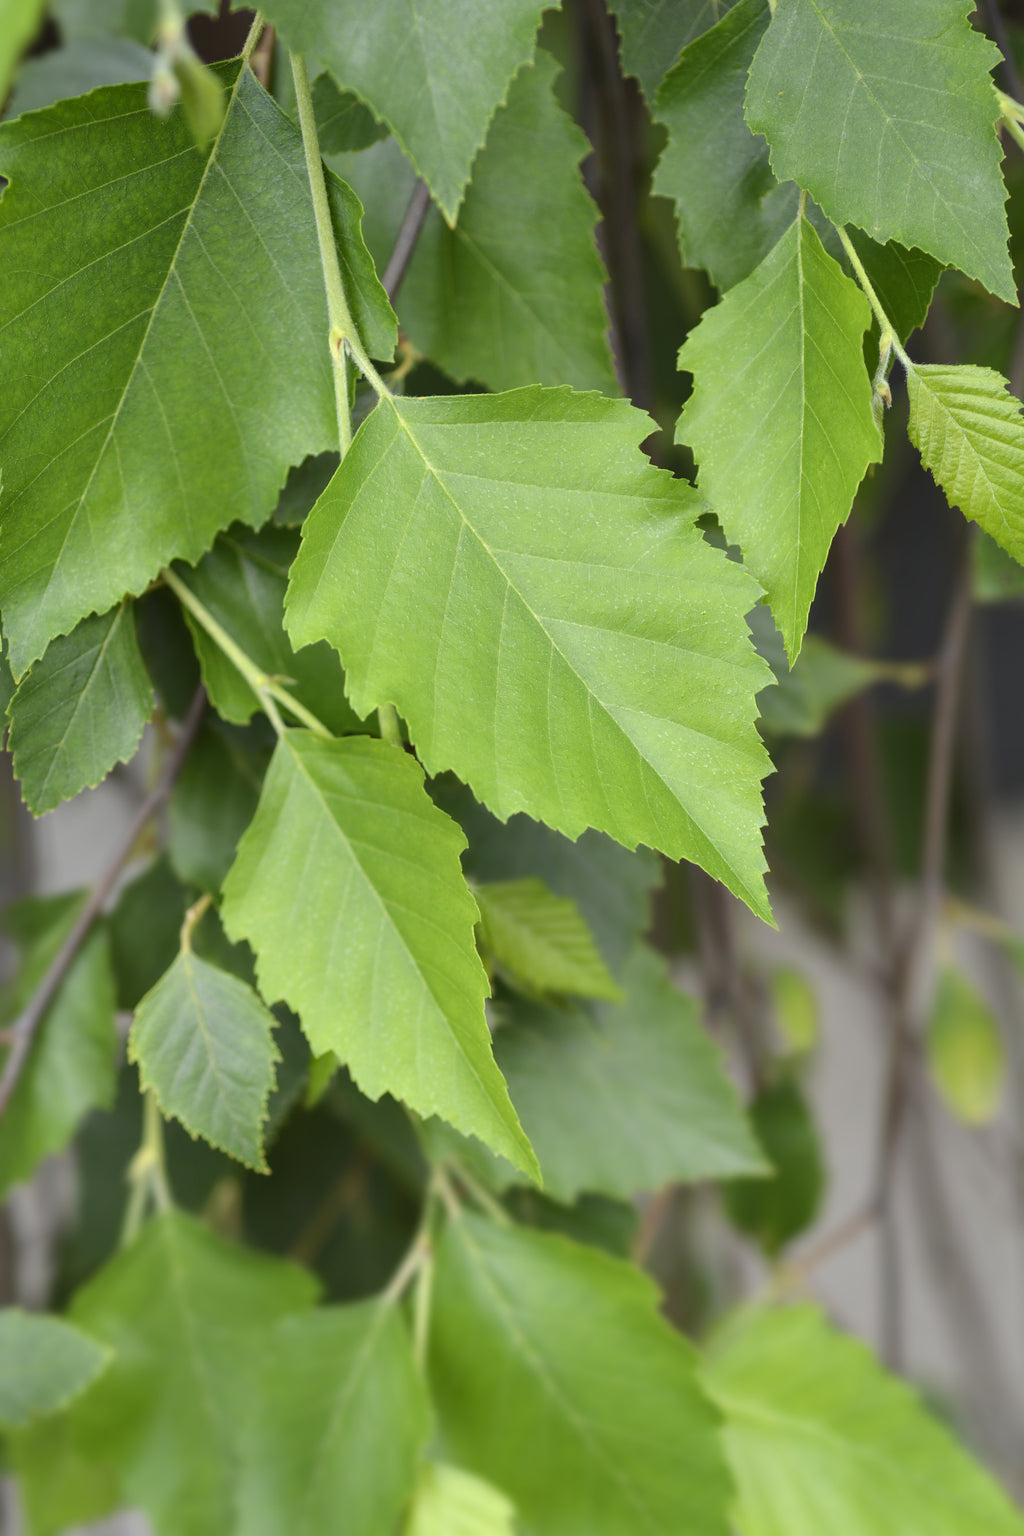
[
  {"x": 144, "y": 930},
  {"x": 775, "y": 1210},
  {"x": 80, "y": 710},
  {"x": 343, "y": 122},
  {"x": 83, "y": 64},
  {"x": 214, "y": 801},
  {"x": 653, "y": 32}
]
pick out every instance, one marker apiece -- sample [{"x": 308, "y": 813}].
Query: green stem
[
  {"x": 421, "y": 1312},
  {"x": 147, "y": 1172},
  {"x": 266, "y": 689},
  {"x": 192, "y": 918},
  {"x": 482, "y": 1196},
  {"x": 338, "y": 313},
  {"x": 889, "y": 337},
  {"x": 253, "y": 38},
  {"x": 1015, "y": 129}
]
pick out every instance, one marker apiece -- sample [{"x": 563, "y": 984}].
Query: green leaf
[
  {"x": 773, "y": 1211},
  {"x": 242, "y": 582},
  {"x": 547, "y": 619},
  {"x": 144, "y": 930},
  {"x": 80, "y": 710},
  {"x": 598, "y": 1387},
  {"x": 625, "y": 1097},
  {"x": 542, "y": 939},
  {"x": 130, "y": 268},
  {"x": 204, "y": 1043},
  {"x": 58, "y": 1487},
  {"x": 83, "y": 64},
  {"x": 968, "y": 429},
  {"x": 822, "y": 678},
  {"x": 513, "y": 294},
  {"x": 44, "y": 1363},
  {"x": 997, "y": 576},
  {"x": 423, "y": 69},
  {"x": 964, "y": 1049},
  {"x": 70, "y": 1068},
  {"x": 378, "y": 959},
  {"x": 820, "y": 1438},
  {"x": 797, "y": 1011},
  {"x": 653, "y": 32},
  {"x": 450, "y": 1502},
  {"x": 214, "y": 801},
  {"x": 780, "y": 417},
  {"x": 19, "y": 22},
  {"x": 343, "y": 122},
  {"x": 611, "y": 886},
  {"x": 337, "y": 1424},
  {"x": 904, "y": 281},
  {"x": 885, "y": 114},
  {"x": 186, "y": 1314},
  {"x": 729, "y": 207}
]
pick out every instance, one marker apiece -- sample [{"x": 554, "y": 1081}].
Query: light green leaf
[
  {"x": 729, "y": 207},
  {"x": 58, "y": 1486},
  {"x": 965, "y": 1049},
  {"x": 611, "y": 886},
  {"x": 885, "y": 114},
  {"x": 19, "y": 22},
  {"x": 429, "y": 69},
  {"x": 187, "y": 1315},
  {"x": 378, "y": 958},
  {"x": 968, "y": 429},
  {"x": 653, "y": 32},
  {"x": 513, "y": 294},
  {"x": 450, "y": 1502},
  {"x": 130, "y": 263},
  {"x": 71, "y": 1065},
  {"x": 338, "y": 1421},
  {"x": 797, "y": 1010},
  {"x": 80, "y": 710},
  {"x": 532, "y": 594},
  {"x": 625, "y": 1097},
  {"x": 542, "y": 939},
  {"x": 204, "y": 1043},
  {"x": 44, "y": 1363},
  {"x": 599, "y": 1426},
  {"x": 780, "y": 417},
  {"x": 821, "y": 1439},
  {"x": 242, "y": 582}
]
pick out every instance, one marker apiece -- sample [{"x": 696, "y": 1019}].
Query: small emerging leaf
[
  {"x": 965, "y": 1049},
  {"x": 542, "y": 939},
  {"x": 204, "y": 1043},
  {"x": 450, "y": 1502}
]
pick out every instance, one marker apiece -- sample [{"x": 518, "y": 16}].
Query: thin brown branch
[
  {"x": 405, "y": 241},
  {"x": 23, "y": 1031}
]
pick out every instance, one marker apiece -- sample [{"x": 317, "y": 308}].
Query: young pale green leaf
[
  {"x": 242, "y": 581},
  {"x": 44, "y": 1363},
  {"x": 187, "y": 1315},
  {"x": 821, "y": 1439},
  {"x": 625, "y": 1097},
  {"x": 513, "y": 294},
  {"x": 378, "y": 957},
  {"x": 19, "y": 22},
  {"x": 610, "y": 885},
  {"x": 80, "y": 710},
  {"x": 965, "y": 1049},
  {"x": 434, "y": 74},
  {"x": 149, "y": 400},
  {"x": 797, "y": 1009},
  {"x": 204, "y": 1043},
  {"x": 451, "y": 1502},
  {"x": 533, "y": 596},
  {"x": 968, "y": 429},
  {"x": 71, "y": 1065},
  {"x": 599, "y": 1425},
  {"x": 653, "y": 32},
  {"x": 885, "y": 114},
  {"x": 780, "y": 417},
  {"x": 729, "y": 207},
  {"x": 542, "y": 939},
  {"x": 337, "y": 1423}
]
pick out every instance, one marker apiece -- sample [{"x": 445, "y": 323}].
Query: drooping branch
[{"x": 24, "y": 1030}]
